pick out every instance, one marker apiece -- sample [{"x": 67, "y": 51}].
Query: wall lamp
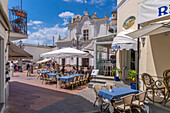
[{"x": 143, "y": 40}]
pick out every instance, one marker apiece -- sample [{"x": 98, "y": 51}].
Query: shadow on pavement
[{"x": 24, "y": 98}]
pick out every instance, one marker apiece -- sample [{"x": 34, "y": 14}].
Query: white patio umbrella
[{"x": 67, "y": 53}]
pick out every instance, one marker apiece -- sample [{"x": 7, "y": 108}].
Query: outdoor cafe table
[
  {"x": 53, "y": 74},
  {"x": 68, "y": 78},
  {"x": 115, "y": 94}
]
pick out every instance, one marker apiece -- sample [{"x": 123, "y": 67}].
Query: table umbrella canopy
[
  {"x": 66, "y": 53},
  {"x": 43, "y": 61}
]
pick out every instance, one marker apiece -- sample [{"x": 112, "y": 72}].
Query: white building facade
[{"x": 87, "y": 27}]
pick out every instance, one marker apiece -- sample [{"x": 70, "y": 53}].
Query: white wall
[{"x": 36, "y": 51}]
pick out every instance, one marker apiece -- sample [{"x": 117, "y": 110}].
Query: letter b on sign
[{"x": 163, "y": 11}]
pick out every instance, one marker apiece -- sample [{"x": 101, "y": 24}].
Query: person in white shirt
[
  {"x": 12, "y": 68},
  {"x": 74, "y": 71}
]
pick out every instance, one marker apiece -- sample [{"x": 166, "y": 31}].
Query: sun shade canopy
[
  {"x": 152, "y": 29},
  {"x": 122, "y": 41},
  {"x": 67, "y": 53},
  {"x": 15, "y": 53}
]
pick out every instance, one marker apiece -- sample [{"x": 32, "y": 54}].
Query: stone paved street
[{"x": 29, "y": 95}]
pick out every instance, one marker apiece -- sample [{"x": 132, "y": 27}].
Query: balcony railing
[{"x": 18, "y": 20}]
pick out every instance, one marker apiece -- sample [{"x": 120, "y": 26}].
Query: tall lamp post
[{"x": 77, "y": 42}]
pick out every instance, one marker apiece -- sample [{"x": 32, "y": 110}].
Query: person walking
[
  {"x": 29, "y": 69},
  {"x": 12, "y": 68},
  {"x": 20, "y": 65}
]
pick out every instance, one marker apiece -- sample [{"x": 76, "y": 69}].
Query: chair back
[
  {"x": 87, "y": 75},
  {"x": 84, "y": 76},
  {"x": 61, "y": 75},
  {"x": 166, "y": 73},
  {"x": 74, "y": 79},
  {"x": 97, "y": 87},
  {"x": 38, "y": 71},
  {"x": 108, "y": 84},
  {"x": 166, "y": 82},
  {"x": 148, "y": 80},
  {"x": 79, "y": 77},
  {"x": 57, "y": 76},
  {"x": 127, "y": 100},
  {"x": 141, "y": 96}
]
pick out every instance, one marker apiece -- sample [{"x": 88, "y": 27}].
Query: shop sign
[
  {"x": 129, "y": 22},
  {"x": 152, "y": 10}
]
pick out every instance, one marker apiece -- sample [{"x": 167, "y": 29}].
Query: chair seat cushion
[
  {"x": 121, "y": 107},
  {"x": 136, "y": 102}
]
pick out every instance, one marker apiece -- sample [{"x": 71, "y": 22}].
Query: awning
[
  {"x": 43, "y": 61},
  {"x": 122, "y": 41},
  {"x": 152, "y": 29},
  {"x": 90, "y": 46},
  {"x": 15, "y": 53}
]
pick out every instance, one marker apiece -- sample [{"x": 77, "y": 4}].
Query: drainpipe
[{"x": 137, "y": 76}]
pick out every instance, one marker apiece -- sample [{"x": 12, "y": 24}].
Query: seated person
[
  {"x": 63, "y": 69},
  {"x": 81, "y": 71},
  {"x": 74, "y": 71}
]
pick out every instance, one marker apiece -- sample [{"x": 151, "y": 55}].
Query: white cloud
[
  {"x": 44, "y": 35},
  {"x": 66, "y": 14},
  {"x": 81, "y": 1},
  {"x": 34, "y": 23},
  {"x": 34, "y": 27},
  {"x": 65, "y": 21},
  {"x": 100, "y": 2}
]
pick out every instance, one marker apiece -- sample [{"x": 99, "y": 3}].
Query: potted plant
[
  {"x": 132, "y": 76},
  {"x": 116, "y": 73}
]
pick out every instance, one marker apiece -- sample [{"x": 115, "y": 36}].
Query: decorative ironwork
[
  {"x": 18, "y": 19},
  {"x": 155, "y": 89}
]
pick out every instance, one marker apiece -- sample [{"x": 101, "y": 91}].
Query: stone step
[
  {"x": 103, "y": 81},
  {"x": 104, "y": 77}
]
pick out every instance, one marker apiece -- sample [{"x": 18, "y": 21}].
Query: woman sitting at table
[
  {"x": 74, "y": 71},
  {"x": 62, "y": 70}
]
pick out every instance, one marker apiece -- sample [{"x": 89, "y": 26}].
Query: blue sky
[{"x": 47, "y": 18}]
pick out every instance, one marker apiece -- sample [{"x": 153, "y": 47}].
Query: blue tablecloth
[
  {"x": 43, "y": 72},
  {"x": 68, "y": 78},
  {"x": 87, "y": 71},
  {"x": 117, "y": 93},
  {"x": 53, "y": 74},
  {"x": 67, "y": 71}
]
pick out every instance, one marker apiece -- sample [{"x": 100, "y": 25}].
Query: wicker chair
[
  {"x": 167, "y": 85},
  {"x": 96, "y": 87},
  {"x": 139, "y": 102},
  {"x": 87, "y": 77},
  {"x": 73, "y": 82},
  {"x": 82, "y": 80},
  {"x": 150, "y": 85},
  {"x": 39, "y": 75},
  {"x": 48, "y": 78},
  {"x": 78, "y": 82},
  {"x": 56, "y": 77},
  {"x": 126, "y": 103}
]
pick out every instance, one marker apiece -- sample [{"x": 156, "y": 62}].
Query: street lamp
[{"x": 77, "y": 42}]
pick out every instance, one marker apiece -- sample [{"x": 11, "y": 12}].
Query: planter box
[
  {"x": 133, "y": 86},
  {"x": 116, "y": 79}
]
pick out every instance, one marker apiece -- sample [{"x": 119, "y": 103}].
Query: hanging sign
[{"x": 153, "y": 9}]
